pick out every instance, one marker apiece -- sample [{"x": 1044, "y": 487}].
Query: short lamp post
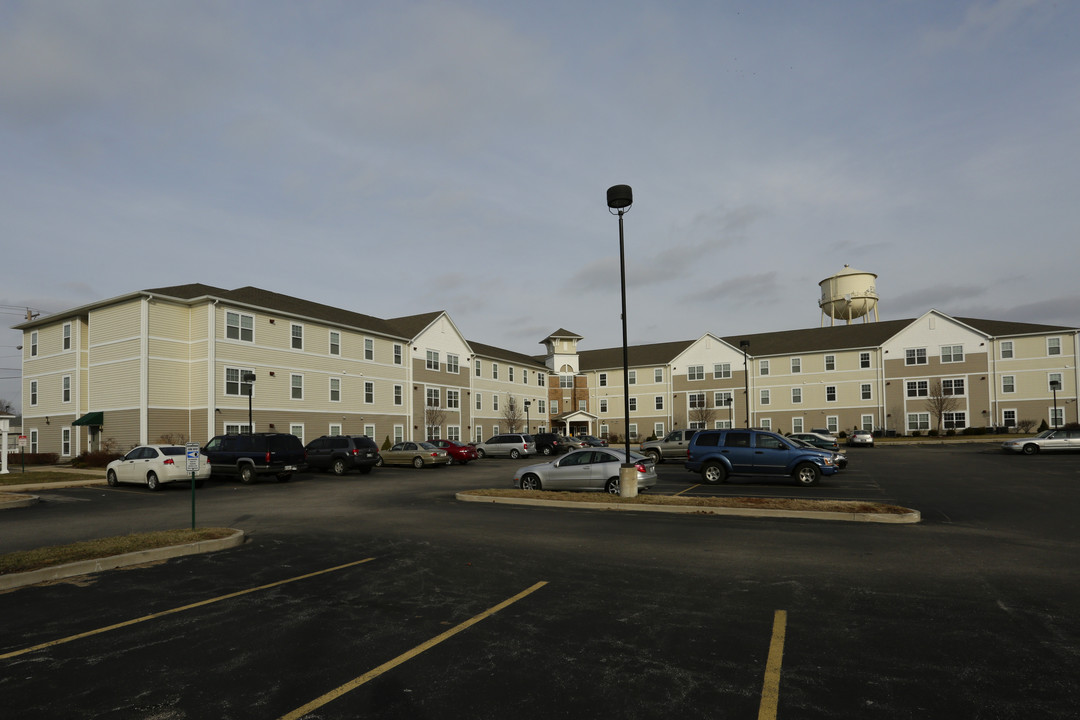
[
  {"x": 1055, "y": 385},
  {"x": 744, "y": 344},
  {"x": 619, "y": 200},
  {"x": 730, "y": 411},
  {"x": 527, "y": 404},
  {"x": 249, "y": 378}
]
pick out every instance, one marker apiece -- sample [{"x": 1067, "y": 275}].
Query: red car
[{"x": 458, "y": 452}]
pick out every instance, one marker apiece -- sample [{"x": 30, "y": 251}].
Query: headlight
[{"x": 826, "y": 461}]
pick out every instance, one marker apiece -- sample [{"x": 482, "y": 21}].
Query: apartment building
[{"x": 192, "y": 361}]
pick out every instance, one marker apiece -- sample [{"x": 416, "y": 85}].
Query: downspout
[
  {"x": 144, "y": 369},
  {"x": 211, "y": 369}
]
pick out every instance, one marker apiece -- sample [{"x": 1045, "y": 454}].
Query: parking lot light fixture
[
  {"x": 619, "y": 200},
  {"x": 1054, "y": 386},
  {"x": 744, "y": 344},
  {"x": 249, "y": 378}
]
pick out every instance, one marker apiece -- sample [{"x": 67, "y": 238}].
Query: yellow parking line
[
  {"x": 770, "y": 691},
  {"x": 404, "y": 657},
  {"x": 163, "y": 613},
  {"x": 686, "y": 490}
]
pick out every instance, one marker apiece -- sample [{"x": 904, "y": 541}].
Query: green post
[{"x": 192, "y": 499}]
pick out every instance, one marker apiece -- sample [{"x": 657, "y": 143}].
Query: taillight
[
  {"x": 267, "y": 457},
  {"x": 640, "y": 468},
  {"x": 168, "y": 461},
  {"x": 354, "y": 451}
]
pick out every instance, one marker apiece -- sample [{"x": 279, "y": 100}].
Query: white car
[
  {"x": 1045, "y": 441},
  {"x": 864, "y": 438},
  {"x": 154, "y": 465},
  {"x": 588, "y": 469}
]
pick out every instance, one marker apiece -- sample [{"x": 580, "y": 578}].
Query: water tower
[{"x": 847, "y": 295}]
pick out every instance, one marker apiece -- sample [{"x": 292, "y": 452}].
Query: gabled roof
[
  {"x": 257, "y": 297},
  {"x": 560, "y": 333},
  {"x": 637, "y": 355},
  {"x": 412, "y": 325},
  {"x": 496, "y": 353}
]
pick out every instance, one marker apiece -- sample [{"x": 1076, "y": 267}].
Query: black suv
[
  {"x": 340, "y": 453},
  {"x": 249, "y": 456},
  {"x": 550, "y": 444}
]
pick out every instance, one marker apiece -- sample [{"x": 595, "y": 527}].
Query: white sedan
[
  {"x": 587, "y": 469},
  {"x": 154, "y": 465}
]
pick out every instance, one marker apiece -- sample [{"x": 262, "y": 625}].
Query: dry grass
[
  {"x": 847, "y": 506},
  {"x": 14, "y": 477},
  {"x": 27, "y": 560}
]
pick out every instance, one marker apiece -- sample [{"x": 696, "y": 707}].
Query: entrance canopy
[{"x": 94, "y": 419}]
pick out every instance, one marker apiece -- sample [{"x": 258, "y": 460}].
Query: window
[
  {"x": 369, "y": 430},
  {"x": 477, "y": 370},
  {"x": 554, "y": 407},
  {"x": 658, "y": 430},
  {"x": 541, "y": 379},
  {"x": 796, "y": 395},
  {"x": 722, "y": 398},
  {"x": 479, "y": 401},
  {"x": 866, "y": 391},
  {"x": 954, "y": 420},
  {"x": 1053, "y": 346},
  {"x": 240, "y": 327},
  {"x": 369, "y": 392},
  {"x": 763, "y": 367},
  {"x": 335, "y": 389},
  {"x": 766, "y": 424},
  {"x": 453, "y": 399},
  {"x": 1008, "y": 418},
  {"x": 494, "y": 371},
  {"x": 603, "y": 380},
  {"x": 632, "y": 377},
  {"x": 1057, "y": 417},
  {"x": 864, "y": 360},
  {"x": 830, "y": 393},
  {"x": 335, "y": 343},
  {"x": 335, "y": 429},
  {"x": 297, "y": 333},
  {"x": 566, "y": 381},
  {"x": 917, "y": 388},
  {"x": 432, "y": 400},
  {"x": 399, "y": 395},
  {"x": 633, "y": 431},
  {"x": 524, "y": 376},
  {"x": 66, "y": 385},
  {"x": 398, "y": 356},
  {"x": 697, "y": 425},
  {"x": 696, "y": 401},
  {"x": 433, "y": 432},
  {"x": 67, "y": 336},
  {"x": 830, "y": 362},
  {"x": 1050, "y": 380},
  {"x": 399, "y": 433},
  {"x": 918, "y": 421},
  {"x": 298, "y": 431},
  {"x": 658, "y": 375},
  {"x": 658, "y": 402},
  {"x": 633, "y": 404},
  {"x": 33, "y": 441},
  {"x": 952, "y": 386},
  {"x": 479, "y": 433},
  {"x": 797, "y": 424},
  {"x": 234, "y": 381},
  {"x": 832, "y": 422},
  {"x": 1006, "y": 349},
  {"x": 695, "y": 372},
  {"x": 33, "y": 344},
  {"x": 603, "y": 405},
  {"x": 510, "y": 373},
  {"x": 765, "y": 397},
  {"x": 296, "y": 382},
  {"x": 541, "y": 406},
  {"x": 495, "y": 402},
  {"x": 65, "y": 441},
  {"x": 581, "y": 405},
  {"x": 432, "y": 359},
  {"x": 721, "y": 371},
  {"x": 369, "y": 349},
  {"x": 453, "y": 432},
  {"x": 952, "y": 353},
  {"x": 1008, "y": 383},
  {"x": 868, "y": 422},
  {"x": 33, "y": 392},
  {"x": 796, "y": 364},
  {"x": 915, "y": 356}
]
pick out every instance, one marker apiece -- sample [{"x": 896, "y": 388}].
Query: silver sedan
[{"x": 588, "y": 469}]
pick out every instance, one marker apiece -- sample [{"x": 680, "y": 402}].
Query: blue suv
[{"x": 716, "y": 454}]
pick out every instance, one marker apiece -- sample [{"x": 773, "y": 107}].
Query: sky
[{"x": 395, "y": 158}]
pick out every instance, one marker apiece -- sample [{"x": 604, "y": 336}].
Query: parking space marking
[
  {"x": 406, "y": 656},
  {"x": 163, "y": 613},
  {"x": 686, "y": 490},
  {"x": 770, "y": 690}
]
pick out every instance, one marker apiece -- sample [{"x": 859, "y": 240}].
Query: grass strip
[
  {"x": 27, "y": 560},
  {"x": 14, "y": 477},
  {"x": 848, "y": 506}
]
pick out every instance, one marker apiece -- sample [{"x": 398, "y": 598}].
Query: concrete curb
[
  {"x": 17, "y": 501},
  {"x": 913, "y": 516},
  {"x": 86, "y": 567},
  {"x": 46, "y": 486}
]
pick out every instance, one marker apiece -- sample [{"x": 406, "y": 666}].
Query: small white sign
[
  {"x": 192, "y": 457},
  {"x": 22, "y": 441}
]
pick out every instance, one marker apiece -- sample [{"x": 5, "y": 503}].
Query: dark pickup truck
[{"x": 248, "y": 456}]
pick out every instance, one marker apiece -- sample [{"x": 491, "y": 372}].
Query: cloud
[
  {"x": 759, "y": 288},
  {"x": 982, "y": 22}
]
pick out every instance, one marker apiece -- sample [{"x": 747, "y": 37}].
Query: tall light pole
[
  {"x": 744, "y": 344},
  {"x": 619, "y": 200},
  {"x": 730, "y": 411},
  {"x": 1055, "y": 386},
  {"x": 527, "y": 404},
  {"x": 249, "y": 378}
]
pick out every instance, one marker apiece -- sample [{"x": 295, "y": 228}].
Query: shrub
[
  {"x": 916, "y": 433},
  {"x": 95, "y": 459},
  {"x": 386, "y": 444},
  {"x": 1044, "y": 426},
  {"x": 15, "y": 458},
  {"x": 951, "y": 432},
  {"x": 932, "y": 433}
]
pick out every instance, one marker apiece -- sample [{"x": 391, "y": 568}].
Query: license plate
[{"x": 290, "y": 467}]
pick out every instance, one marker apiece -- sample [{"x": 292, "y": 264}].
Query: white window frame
[
  {"x": 796, "y": 365},
  {"x": 952, "y": 354},
  {"x": 633, "y": 404},
  {"x": 696, "y": 401},
  {"x": 658, "y": 429},
  {"x": 1007, "y": 350},
  {"x": 830, "y": 393},
  {"x": 240, "y": 384},
  {"x": 921, "y": 388},
  {"x": 297, "y": 429},
  {"x": 864, "y": 360},
  {"x": 65, "y": 389},
  {"x": 658, "y": 402},
  {"x": 432, "y": 361},
  {"x": 1052, "y": 377},
  {"x": 915, "y": 356},
  {"x": 721, "y": 371},
  {"x": 335, "y": 389},
  {"x": 334, "y": 429},
  {"x": 479, "y": 401},
  {"x": 832, "y": 422},
  {"x": 866, "y": 391},
  {"x": 658, "y": 375},
  {"x": 33, "y": 344},
  {"x": 631, "y": 378},
  {"x": 510, "y": 373},
  {"x": 453, "y": 363},
  {"x": 763, "y": 367},
  {"x": 867, "y": 423},
  {"x": 1053, "y": 346},
  {"x": 296, "y": 336},
  {"x": 602, "y": 379},
  {"x": 65, "y": 441},
  {"x": 66, "y": 341},
  {"x": 369, "y": 392},
  {"x": 399, "y": 395},
  {"x": 369, "y": 349},
  {"x": 796, "y": 425},
  {"x": 399, "y": 433},
  {"x": 796, "y": 396},
  {"x": 495, "y": 402},
  {"x": 33, "y": 393},
  {"x": 399, "y": 354},
  {"x": 695, "y": 372},
  {"x": 335, "y": 343},
  {"x": 453, "y": 399},
  {"x": 236, "y": 330},
  {"x": 603, "y": 405},
  {"x": 949, "y": 386},
  {"x": 830, "y": 363},
  {"x": 294, "y": 386},
  {"x": 432, "y": 397},
  {"x": 1009, "y": 417},
  {"x": 1008, "y": 384},
  {"x": 765, "y": 397},
  {"x": 477, "y": 366},
  {"x": 917, "y": 421}
]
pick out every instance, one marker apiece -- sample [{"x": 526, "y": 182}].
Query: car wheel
[
  {"x": 418, "y": 462},
  {"x": 379, "y": 462},
  {"x": 714, "y": 473},
  {"x": 611, "y": 487},
  {"x": 480, "y": 453},
  {"x": 152, "y": 481},
  {"x": 807, "y": 474},
  {"x": 530, "y": 482},
  {"x": 514, "y": 454},
  {"x": 338, "y": 467},
  {"x": 247, "y": 474},
  {"x": 1031, "y": 449},
  {"x": 657, "y": 458},
  {"x": 111, "y": 477},
  {"x": 546, "y": 451},
  {"x": 283, "y": 477}
]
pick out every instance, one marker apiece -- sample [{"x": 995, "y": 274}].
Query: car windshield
[{"x": 427, "y": 446}]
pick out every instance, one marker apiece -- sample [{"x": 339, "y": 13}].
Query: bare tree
[
  {"x": 7, "y": 407},
  {"x": 434, "y": 417},
  {"x": 938, "y": 402},
  {"x": 701, "y": 414},
  {"x": 512, "y": 414}
]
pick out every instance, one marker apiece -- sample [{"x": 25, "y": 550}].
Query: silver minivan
[{"x": 511, "y": 445}]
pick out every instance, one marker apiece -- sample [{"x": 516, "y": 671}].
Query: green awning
[{"x": 96, "y": 419}]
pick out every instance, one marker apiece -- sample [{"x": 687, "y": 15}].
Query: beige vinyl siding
[{"x": 122, "y": 427}]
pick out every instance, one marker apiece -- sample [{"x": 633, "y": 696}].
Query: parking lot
[{"x": 381, "y": 596}]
